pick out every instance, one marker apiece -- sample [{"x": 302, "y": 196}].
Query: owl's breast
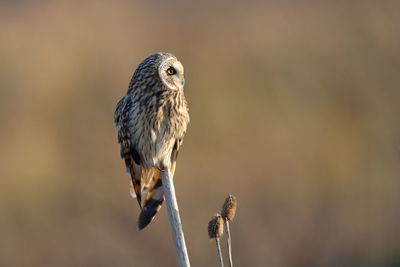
[{"x": 157, "y": 132}]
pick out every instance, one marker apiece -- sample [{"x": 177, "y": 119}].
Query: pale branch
[{"x": 174, "y": 219}]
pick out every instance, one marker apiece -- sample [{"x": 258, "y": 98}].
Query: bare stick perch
[{"x": 174, "y": 219}]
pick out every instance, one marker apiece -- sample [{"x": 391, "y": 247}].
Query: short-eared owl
[{"x": 151, "y": 120}]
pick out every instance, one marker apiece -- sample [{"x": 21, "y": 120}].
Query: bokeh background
[{"x": 294, "y": 109}]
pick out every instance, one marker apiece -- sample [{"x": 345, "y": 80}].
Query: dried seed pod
[
  {"x": 229, "y": 208},
  {"x": 216, "y": 227}
]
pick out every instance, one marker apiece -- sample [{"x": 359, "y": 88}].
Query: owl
[{"x": 151, "y": 121}]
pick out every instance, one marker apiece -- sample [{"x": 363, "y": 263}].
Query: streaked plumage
[{"x": 151, "y": 120}]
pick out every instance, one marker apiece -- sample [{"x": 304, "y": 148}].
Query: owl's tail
[{"x": 152, "y": 204}]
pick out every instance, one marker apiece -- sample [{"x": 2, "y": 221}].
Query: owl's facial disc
[{"x": 171, "y": 73}]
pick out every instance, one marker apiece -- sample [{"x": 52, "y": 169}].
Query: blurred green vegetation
[{"x": 294, "y": 109}]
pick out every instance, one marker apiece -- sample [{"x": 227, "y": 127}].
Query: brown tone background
[{"x": 294, "y": 107}]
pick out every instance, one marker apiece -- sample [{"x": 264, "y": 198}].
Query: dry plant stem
[
  {"x": 229, "y": 243},
  {"x": 174, "y": 219},
  {"x": 221, "y": 261}
]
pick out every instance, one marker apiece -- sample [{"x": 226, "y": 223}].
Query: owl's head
[
  {"x": 171, "y": 72},
  {"x": 161, "y": 71}
]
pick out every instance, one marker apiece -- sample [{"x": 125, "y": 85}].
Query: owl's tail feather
[{"x": 154, "y": 200}]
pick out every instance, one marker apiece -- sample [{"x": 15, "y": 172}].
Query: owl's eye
[{"x": 171, "y": 71}]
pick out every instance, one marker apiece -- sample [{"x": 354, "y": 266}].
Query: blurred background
[{"x": 294, "y": 109}]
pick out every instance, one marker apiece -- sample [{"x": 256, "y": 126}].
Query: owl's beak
[{"x": 180, "y": 84}]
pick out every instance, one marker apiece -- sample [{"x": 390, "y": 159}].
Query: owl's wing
[{"x": 128, "y": 151}]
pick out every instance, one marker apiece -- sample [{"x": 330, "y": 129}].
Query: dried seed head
[
  {"x": 216, "y": 227},
  {"x": 229, "y": 208}
]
